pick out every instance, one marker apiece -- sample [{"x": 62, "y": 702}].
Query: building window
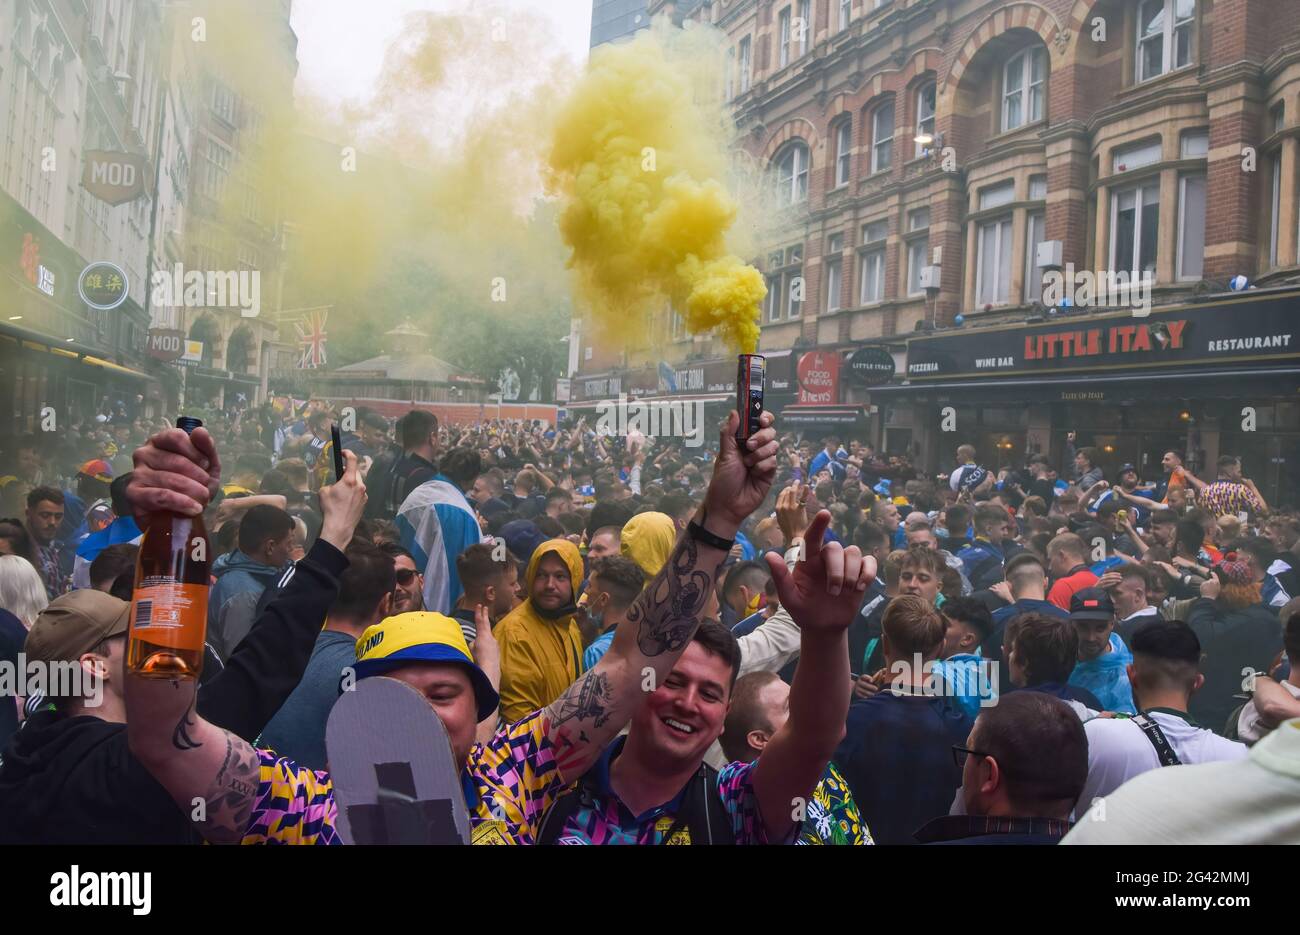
[
  {"x": 218, "y": 168},
  {"x": 834, "y": 265},
  {"x": 917, "y": 254},
  {"x": 803, "y": 26},
  {"x": 784, "y": 33},
  {"x": 1138, "y": 156},
  {"x": 1275, "y": 213},
  {"x": 794, "y": 279},
  {"x": 995, "y": 196},
  {"x": 223, "y": 102},
  {"x": 792, "y": 175},
  {"x": 843, "y": 152},
  {"x": 773, "y": 301},
  {"x": 846, "y": 12},
  {"x": 1279, "y": 116},
  {"x": 993, "y": 274},
  {"x": 1164, "y": 36},
  {"x": 730, "y": 81},
  {"x": 745, "y": 57},
  {"x": 924, "y": 118},
  {"x": 882, "y": 137},
  {"x": 918, "y": 250},
  {"x": 1191, "y": 226},
  {"x": 1135, "y": 229},
  {"x": 873, "y": 262},
  {"x": 1023, "y": 81},
  {"x": 785, "y": 286},
  {"x": 1035, "y": 234}
]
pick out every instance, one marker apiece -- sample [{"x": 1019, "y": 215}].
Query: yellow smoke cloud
[{"x": 639, "y": 160}]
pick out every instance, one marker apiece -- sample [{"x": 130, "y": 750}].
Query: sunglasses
[
  {"x": 405, "y": 576},
  {"x": 959, "y": 754}
]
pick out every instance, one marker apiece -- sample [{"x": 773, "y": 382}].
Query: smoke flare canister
[{"x": 750, "y": 373}]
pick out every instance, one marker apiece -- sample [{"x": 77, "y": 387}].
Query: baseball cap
[
  {"x": 75, "y": 623},
  {"x": 1126, "y": 469},
  {"x": 1091, "y": 604},
  {"x": 422, "y": 636},
  {"x": 98, "y": 469}
]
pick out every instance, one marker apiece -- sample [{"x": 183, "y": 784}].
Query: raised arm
[
  {"x": 822, "y": 594},
  {"x": 660, "y": 623},
  {"x": 211, "y": 774}
]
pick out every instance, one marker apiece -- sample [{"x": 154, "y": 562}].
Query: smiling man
[{"x": 511, "y": 782}]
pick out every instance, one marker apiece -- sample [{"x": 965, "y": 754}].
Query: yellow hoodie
[
  {"x": 648, "y": 539},
  {"x": 540, "y": 658}
]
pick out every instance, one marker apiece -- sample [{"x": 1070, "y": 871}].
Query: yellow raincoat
[
  {"x": 648, "y": 539},
  {"x": 540, "y": 658}
]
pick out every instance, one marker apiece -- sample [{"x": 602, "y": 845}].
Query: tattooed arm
[
  {"x": 211, "y": 774},
  {"x": 661, "y": 622}
]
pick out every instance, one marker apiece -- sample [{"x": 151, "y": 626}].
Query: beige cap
[{"x": 75, "y": 623}]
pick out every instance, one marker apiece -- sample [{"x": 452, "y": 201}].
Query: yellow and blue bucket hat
[{"x": 422, "y": 636}]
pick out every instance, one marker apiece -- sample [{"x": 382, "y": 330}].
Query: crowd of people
[{"x": 778, "y": 640}]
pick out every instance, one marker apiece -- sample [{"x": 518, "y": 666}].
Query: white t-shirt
[
  {"x": 1118, "y": 750},
  {"x": 1250, "y": 801}
]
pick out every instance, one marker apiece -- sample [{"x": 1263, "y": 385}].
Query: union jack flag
[{"x": 311, "y": 339}]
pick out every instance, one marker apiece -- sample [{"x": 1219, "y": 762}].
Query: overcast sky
[{"x": 341, "y": 43}]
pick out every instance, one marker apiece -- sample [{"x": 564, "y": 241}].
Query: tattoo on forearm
[
  {"x": 181, "y": 738},
  {"x": 589, "y": 699},
  {"x": 667, "y": 612},
  {"x": 232, "y": 793}
]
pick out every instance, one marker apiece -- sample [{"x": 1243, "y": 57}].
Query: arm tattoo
[
  {"x": 667, "y": 613},
  {"x": 590, "y": 699},
  {"x": 230, "y": 797},
  {"x": 181, "y": 738}
]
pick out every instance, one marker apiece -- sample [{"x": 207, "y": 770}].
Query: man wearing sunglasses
[
  {"x": 1012, "y": 793},
  {"x": 408, "y": 596}
]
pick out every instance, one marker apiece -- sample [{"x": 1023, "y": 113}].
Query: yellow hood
[{"x": 648, "y": 540}]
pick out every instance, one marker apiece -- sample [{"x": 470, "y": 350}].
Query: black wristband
[{"x": 698, "y": 532}]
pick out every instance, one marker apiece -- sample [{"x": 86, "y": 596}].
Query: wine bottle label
[{"x": 169, "y": 606}]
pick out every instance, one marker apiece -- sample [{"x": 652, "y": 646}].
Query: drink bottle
[{"x": 169, "y": 605}]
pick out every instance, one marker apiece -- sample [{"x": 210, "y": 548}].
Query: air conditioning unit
[
  {"x": 1049, "y": 255},
  {"x": 930, "y": 277}
]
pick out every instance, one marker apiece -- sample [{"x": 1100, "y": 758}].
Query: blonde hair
[{"x": 22, "y": 592}]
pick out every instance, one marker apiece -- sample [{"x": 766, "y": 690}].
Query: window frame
[
  {"x": 843, "y": 152},
  {"x": 1031, "y": 255},
  {"x": 1138, "y": 187},
  {"x": 1168, "y": 40},
  {"x": 1025, "y": 57},
  {"x": 834, "y": 261},
  {"x": 798, "y": 178},
  {"x": 999, "y": 224},
  {"x": 933, "y": 88},
  {"x": 877, "y": 142},
  {"x": 746, "y": 60},
  {"x": 1183, "y": 179},
  {"x": 784, "y": 21}
]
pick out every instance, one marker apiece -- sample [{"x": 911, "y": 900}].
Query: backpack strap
[
  {"x": 703, "y": 812},
  {"x": 1157, "y": 737}
]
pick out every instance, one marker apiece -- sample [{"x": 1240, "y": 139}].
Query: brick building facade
[{"x": 922, "y": 150}]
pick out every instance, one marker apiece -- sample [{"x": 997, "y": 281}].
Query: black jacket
[
  {"x": 1232, "y": 640},
  {"x": 72, "y": 780}
]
